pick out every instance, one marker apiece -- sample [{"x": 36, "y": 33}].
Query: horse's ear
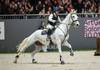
[
  {"x": 75, "y": 11},
  {"x": 72, "y": 10}
]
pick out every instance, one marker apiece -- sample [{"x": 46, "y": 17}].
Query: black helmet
[{"x": 53, "y": 11}]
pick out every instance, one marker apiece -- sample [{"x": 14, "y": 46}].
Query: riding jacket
[{"x": 52, "y": 20}]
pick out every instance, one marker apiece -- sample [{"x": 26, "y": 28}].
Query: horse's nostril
[{"x": 77, "y": 24}]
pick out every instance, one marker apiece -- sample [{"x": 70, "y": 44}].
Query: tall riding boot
[{"x": 49, "y": 33}]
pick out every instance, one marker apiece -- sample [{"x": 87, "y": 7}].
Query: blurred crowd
[{"x": 47, "y": 6}]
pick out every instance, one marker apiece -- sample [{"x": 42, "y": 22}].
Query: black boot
[{"x": 49, "y": 33}]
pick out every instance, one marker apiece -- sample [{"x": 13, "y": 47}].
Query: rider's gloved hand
[{"x": 55, "y": 26}]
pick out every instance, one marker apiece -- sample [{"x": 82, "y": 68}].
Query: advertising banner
[
  {"x": 2, "y": 31},
  {"x": 92, "y": 28}
]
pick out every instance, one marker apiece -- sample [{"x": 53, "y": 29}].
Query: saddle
[
  {"x": 44, "y": 32},
  {"x": 48, "y": 32}
]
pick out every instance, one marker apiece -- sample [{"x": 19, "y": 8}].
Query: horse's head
[{"x": 74, "y": 19}]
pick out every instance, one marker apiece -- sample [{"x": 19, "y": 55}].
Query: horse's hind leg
[
  {"x": 37, "y": 49},
  {"x": 21, "y": 49}
]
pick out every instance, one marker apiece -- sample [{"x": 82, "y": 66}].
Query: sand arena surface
[{"x": 82, "y": 60}]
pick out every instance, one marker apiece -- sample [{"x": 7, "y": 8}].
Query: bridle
[{"x": 73, "y": 21}]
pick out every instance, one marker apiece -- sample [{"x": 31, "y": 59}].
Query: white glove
[{"x": 55, "y": 26}]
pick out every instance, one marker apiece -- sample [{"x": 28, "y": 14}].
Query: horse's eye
[{"x": 73, "y": 16}]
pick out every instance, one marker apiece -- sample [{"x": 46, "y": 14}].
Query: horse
[{"x": 59, "y": 37}]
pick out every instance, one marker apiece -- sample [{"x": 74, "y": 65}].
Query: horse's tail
[{"x": 22, "y": 46}]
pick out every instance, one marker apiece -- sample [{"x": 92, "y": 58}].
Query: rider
[{"x": 52, "y": 21}]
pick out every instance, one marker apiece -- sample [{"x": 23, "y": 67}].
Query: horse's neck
[
  {"x": 63, "y": 28},
  {"x": 67, "y": 22},
  {"x": 67, "y": 19}
]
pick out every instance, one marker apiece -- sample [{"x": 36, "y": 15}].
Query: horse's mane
[{"x": 65, "y": 21}]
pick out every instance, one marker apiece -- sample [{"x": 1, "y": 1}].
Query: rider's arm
[{"x": 50, "y": 18}]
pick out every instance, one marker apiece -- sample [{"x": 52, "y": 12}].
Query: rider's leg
[{"x": 49, "y": 32}]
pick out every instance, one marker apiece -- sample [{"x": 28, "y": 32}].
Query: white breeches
[{"x": 49, "y": 26}]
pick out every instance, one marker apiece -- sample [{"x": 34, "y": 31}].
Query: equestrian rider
[{"x": 52, "y": 21}]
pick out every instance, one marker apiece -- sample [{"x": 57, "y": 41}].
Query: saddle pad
[{"x": 44, "y": 33}]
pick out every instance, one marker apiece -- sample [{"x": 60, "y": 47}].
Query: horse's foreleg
[
  {"x": 60, "y": 52},
  {"x": 70, "y": 48},
  {"x": 37, "y": 49}
]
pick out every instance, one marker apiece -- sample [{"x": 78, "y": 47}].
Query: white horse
[{"x": 59, "y": 37}]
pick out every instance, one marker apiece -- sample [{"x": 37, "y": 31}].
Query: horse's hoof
[
  {"x": 62, "y": 62},
  {"x": 34, "y": 61},
  {"x": 17, "y": 56},
  {"x": 15, "y": 61},
  {"x": 71, "y": 54}
]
